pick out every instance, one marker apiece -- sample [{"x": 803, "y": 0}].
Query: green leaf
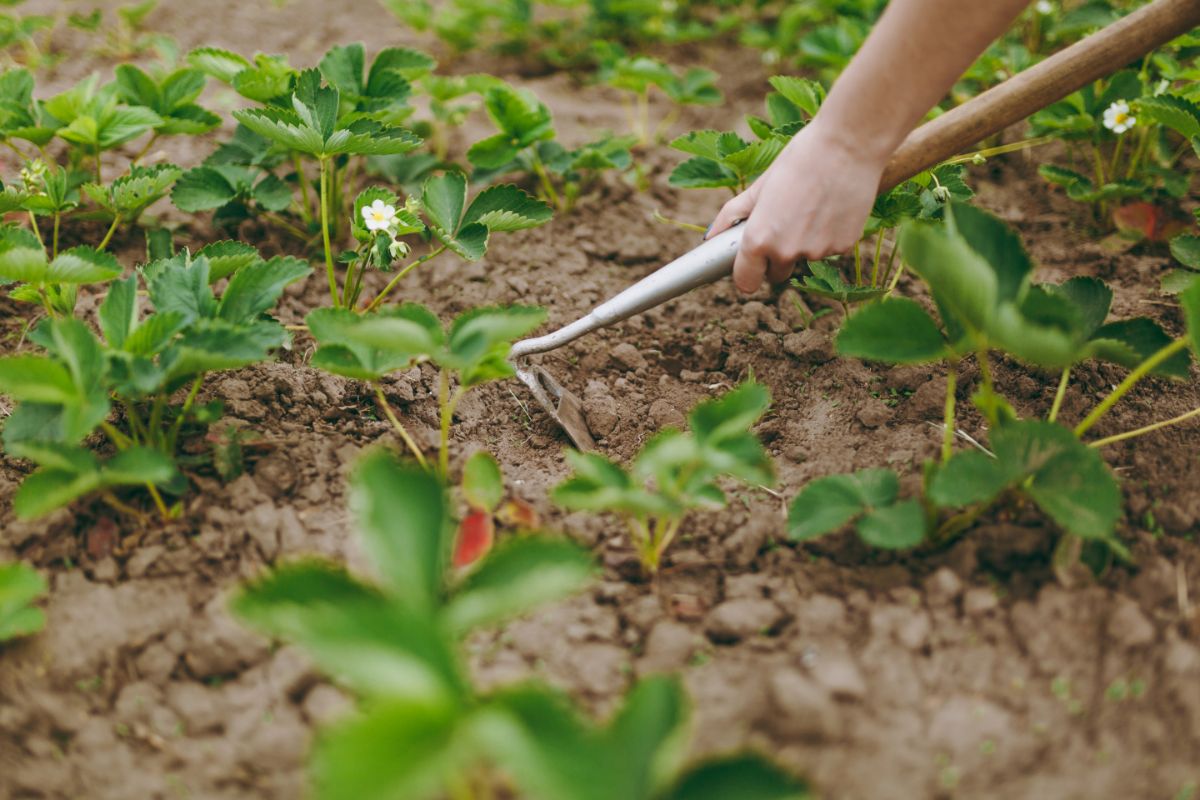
[
  {"x": 202, "y": 189},
  {"x": 826, "y": 281},
  {"x": 894, "y": 330},
  {"x": 222, "y": 65},
  {"x": 998, "y": 245},
  {"x": 394, "y": 749},
  {"x": 896, "y": 527},
  {"x": 83, "y": 264},
  {"x": 52, "y": 488},
  {"x": 1177, "y": 113},
  {"x": 507, "y": 208},
  {"x": 968, "y": 478},
  {"x": 649, "y": 734},
  {"x": 803, "y": 93},
  {"x": 1091, "y": 297},
  {"x": 119, "y": 312},
  {"x": 181, "y": 284},
  {"x": 826, "y": 504},
  {"x": 353, "y": 632},
  {"x": 444, "y": 198},
  {"x": 405, "y": 526},
  {"x": 36, "y": 379},
  {"x": 718, "y": 420},
  {"x": 699, "y": 143},
  {"x": 282, "y": 127},
  {"x": 519, "y": 575},
  {"x": 1139, "y": 338},
  {"x": 482, "y": 483},
  {"x": 476, "y": 335},
  {"x": 256, "y": 288},
  {"x": 22, "y": 257},
  {"x": 746, "y": 777},
  {"x": 1186, "y": 250},
  {"x": 227, "y": 257},
  {"x": 20, "y": 586},
  {"x": 963, "y": 282}
]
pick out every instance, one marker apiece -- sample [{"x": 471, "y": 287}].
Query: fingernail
[{"x": 707, "y": 231}]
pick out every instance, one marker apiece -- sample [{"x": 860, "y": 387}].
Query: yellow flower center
[{"x": 1120, "y": 118}]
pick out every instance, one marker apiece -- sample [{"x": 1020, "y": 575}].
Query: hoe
[{"x": 1106, "y": 51}]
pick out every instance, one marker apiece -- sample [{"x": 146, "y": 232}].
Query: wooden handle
[{"x": 1124, "y": 41}]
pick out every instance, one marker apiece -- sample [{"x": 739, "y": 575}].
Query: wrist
[{"x": 847, "y": 144}]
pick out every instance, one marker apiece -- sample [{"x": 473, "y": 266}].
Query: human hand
[{"x": 811, "y": 202}]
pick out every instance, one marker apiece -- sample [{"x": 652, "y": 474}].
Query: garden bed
[{"x": 973, "y": 669}]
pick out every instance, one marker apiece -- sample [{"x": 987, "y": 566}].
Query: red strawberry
[{"x": 475, "y": 535}]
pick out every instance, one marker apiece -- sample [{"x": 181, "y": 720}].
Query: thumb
[{"x": 734, "y": 211}]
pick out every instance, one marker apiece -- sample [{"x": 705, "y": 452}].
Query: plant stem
[
  {"x": 547, "y": 187},
  {"x": 173, "y": 437},
  {"x": 286, "y": 226},
  {"x": 156, "y": 418},
  {"x": 999, "y": 150},
  {"x": 895, "y": 278},
  {"x": 878, "y": 254},
  {"x": 57, "y": 220},
  {"x": 1056, "y": 406},
  {"x": 400, "y": 429},
  {"x": 120, "y": 440},
  {"x": 1116, "y": 157},
  {"x": 142, "y": 153},
  {"x": 163, "y": 511},
  {"x": 664, "y": 535},
  {"x": 948, "y": 414},
  {"x": 97, "y": 156},
  {"x": 1098, "y": 162},
  {"x": 36, "y": 231},
  {"x": 333, "y": 288},
  {"x": 111, "y": 230},
  {"x": 447, "y": 403},
  {"x": 1195, "y": 412},
  {"x": 858, "y": 263},
  {"x": 1141, "y": 371},
  {"x": 392, "y": 283},
  {"x": 305, "y": 195},
  {"x": 1139, "y": 153},
  {"x": 123, "y": 508},
  {"x": 643, "y": 101}
]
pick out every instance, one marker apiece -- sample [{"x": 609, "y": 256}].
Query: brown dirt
[{"x": 971, "y": 672}]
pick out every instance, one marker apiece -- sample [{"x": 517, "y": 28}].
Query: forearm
[{"x": 912, "y": 57}]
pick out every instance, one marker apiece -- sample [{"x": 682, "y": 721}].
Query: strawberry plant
[
  {"x": 22, "y": 30},
  {"x": 1125, "y": 138},
  {"x": 20, "y": 586},
  {"x": 139, "y": 362},
  {"x": 442, "y": 215},
  {"x": 525, "y": 142},
  {"x": 675, "y": 472},
  {"x": 341, "y": 110},
  {"x": 423, "y": 729},
  {"x": 637, "y": 75},
  {"x": 473, "y": 350},
  {"x": 979, "y": 277}
]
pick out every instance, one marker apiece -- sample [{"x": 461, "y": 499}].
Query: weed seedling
[{"x": 675, "y": 472}]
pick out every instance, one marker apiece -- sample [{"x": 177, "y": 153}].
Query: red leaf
[
  {"x": 1148, "y": 221},
  {"x": 475, "y": 536},
  {"x": 518, "y": 514}
]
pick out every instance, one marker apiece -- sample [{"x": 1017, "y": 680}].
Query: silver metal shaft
[{"x": 709, "y": 262}]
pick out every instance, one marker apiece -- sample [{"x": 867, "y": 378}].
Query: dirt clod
[{"x": 735, "y": 620}]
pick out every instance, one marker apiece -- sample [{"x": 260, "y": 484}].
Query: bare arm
[{"x": 815, "y": 198}]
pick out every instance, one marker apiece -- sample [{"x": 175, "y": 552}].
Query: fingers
[
  {"x": 780, "y": 270},
  {"x": 735, "y": 210},
  {"x": 749, "y": 267}
]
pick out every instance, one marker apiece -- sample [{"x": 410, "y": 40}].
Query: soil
[{"x": 974, "y": 671}]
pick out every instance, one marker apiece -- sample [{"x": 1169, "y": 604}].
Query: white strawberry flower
[
  {"x": 379, "y": 216},
  {"x": 1044, "y": 7},
  {"x": 1117, "y": 117}
]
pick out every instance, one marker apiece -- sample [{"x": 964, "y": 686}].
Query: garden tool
[{"x": 1124, "y": 41}]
